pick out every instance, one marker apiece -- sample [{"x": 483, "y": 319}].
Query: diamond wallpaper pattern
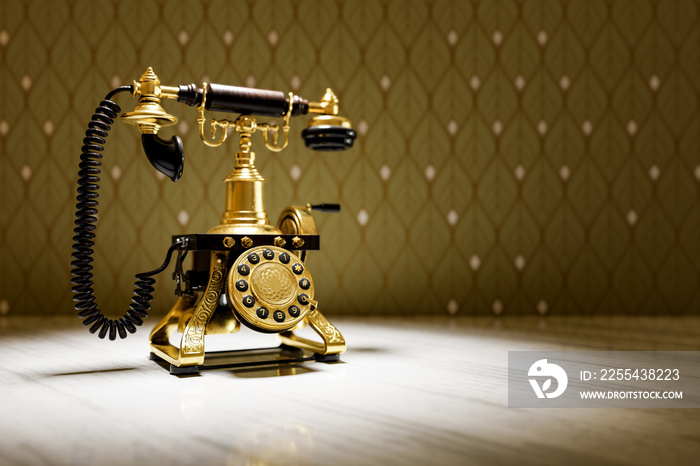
[{"x": 514, "y": 157}]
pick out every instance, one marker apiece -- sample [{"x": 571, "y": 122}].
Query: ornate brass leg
[
  {"x": 192, "y": 344},
  {"x": 160, "y": 335},
  {"x": 333, "y": 341},
  {"x": 191, "y": 351}
]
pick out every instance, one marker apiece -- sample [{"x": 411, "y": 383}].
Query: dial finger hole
[
  {"x": 242, "y": 285},
  {"x": 303, "y": 299},
  {"x": 248, "y": 301}
]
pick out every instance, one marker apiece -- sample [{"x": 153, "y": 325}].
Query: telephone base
[{"x": 282, "y": 357}]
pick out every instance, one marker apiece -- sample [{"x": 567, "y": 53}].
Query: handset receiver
[{"x": 167, "y": 156}]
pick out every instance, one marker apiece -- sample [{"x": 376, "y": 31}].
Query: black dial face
[{"x": 270, "y": 289}]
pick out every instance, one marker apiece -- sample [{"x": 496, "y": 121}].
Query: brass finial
[
  {"x": 148, "y": 115},
  {"x": 328, "y": 104}
]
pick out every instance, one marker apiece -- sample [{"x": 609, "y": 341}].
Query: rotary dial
[{"x": 270, "y": 288}]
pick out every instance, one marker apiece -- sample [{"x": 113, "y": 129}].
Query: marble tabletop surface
[{"x": 421, "y": 391}]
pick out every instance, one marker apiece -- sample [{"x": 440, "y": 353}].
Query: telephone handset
[{"x": 245, "y": 270}]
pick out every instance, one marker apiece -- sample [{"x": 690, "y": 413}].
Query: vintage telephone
[{"x": 244, "y": 270}]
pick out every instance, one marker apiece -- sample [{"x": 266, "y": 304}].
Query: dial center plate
[{"x": 273, "y": 283}]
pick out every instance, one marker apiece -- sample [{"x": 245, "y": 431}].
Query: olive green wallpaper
[{"x": 514, "y": 157}]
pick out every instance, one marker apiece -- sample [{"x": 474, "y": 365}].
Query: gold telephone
[{"x": 244, "y": 270}]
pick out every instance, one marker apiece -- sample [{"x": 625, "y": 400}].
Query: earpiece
[
  {"x": 328, "y": 138},
  {"x": 329, "y": 133}
]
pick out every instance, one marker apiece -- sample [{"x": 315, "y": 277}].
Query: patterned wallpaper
[{"x": 514, "y": 157}]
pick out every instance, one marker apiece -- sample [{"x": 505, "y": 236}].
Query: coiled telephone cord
[{"x": 85, "y": 226}]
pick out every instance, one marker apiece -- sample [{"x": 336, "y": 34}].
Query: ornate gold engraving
[
  {"x": 273, "y": 283},
  {"x": 193, "y": 338},
  {"x": 332, "y": 341},
  {"x": 160, "y": 336},
  {"x": 329, "y": 331}
]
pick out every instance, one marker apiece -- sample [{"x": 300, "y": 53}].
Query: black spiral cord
[{"x": 85, "y": 226}]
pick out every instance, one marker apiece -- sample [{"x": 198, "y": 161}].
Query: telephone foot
[{"x": 327, "y": 357}]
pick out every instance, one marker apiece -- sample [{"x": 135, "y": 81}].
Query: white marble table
[{"x": 408, "y": 392}]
